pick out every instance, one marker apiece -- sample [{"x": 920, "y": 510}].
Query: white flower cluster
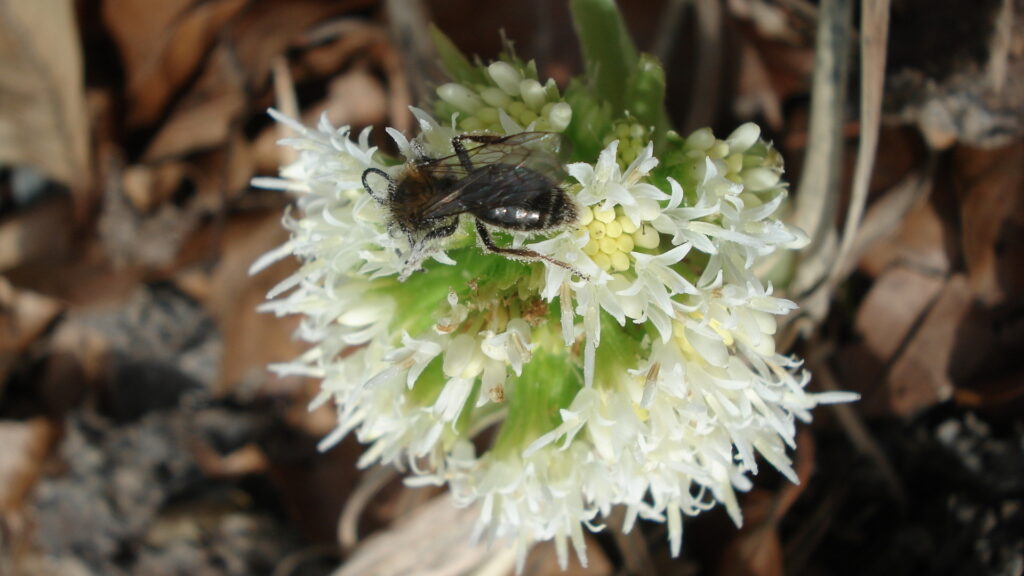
[{"x": 673, "y": 402}]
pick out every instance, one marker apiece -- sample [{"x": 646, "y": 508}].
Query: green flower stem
[
  {"x": 534, "y": 399},
  {"x": 608, "y": 50}
]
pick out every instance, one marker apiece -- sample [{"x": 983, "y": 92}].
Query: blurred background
[{"x": 140, "y": 432}]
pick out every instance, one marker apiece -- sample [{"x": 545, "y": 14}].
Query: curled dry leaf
[
  {"x": 161, "y": 45},
  {"x": 918, "y": 242},
  {"x": 251, "y": 340},
  {"x": 38, "y": 232},
  {"x": 24, "y": 316},
  {"x": 203, "y": 117},
  {"x": 238, "y": 64},
  {"x": 436, "y": 539},
  {"x": 42, "y": 118},
  {"x": 25, "y": 447},
  {"x": 920, "y": 376},
  {"x": 990, "y": 185},
  {"x": 893, "y": 307}
]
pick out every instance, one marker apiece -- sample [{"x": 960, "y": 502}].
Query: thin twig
[
  {"x": 873, "y": 39},
  {"x": 818, "y": 191}
]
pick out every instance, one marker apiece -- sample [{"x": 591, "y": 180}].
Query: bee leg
[
  {"x": 520, "y": 253},
  {"x": 442, "y": 231},
  {"x": 460, "y": 149},
  {"x": 369, "y": 189}
]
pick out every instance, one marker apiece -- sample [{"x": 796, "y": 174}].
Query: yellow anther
[
  {"x": 592, "y": 247},
  {"x": 586, "y": 216},
  {"x": 719, "y": 150},
  {"x": 701, "y": 139},
  {"x": 646, "y": 237},
  {"x": 625, "y": 243},
  {"x": 602, "y": 260},
  {"x": 515, "y": 108},
  {"x": 487, "y": 115},
  {"x": 620, "y": 261},
  {"x": 727, "y": 338},
  {"x": 613, "y": 229},
  {"x": 495, "y": 97},
  {"x": 627, "y": 225},
  {"x": 605, "y": 215},
  {"x": 596, "y": 230},
  {"x": 608, "y": 245},
  {"x": 733, "y": 163}
]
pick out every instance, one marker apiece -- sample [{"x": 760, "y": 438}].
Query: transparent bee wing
[
  {"x": 541, "y": 151},
  {"x": 506, "y": 171}
]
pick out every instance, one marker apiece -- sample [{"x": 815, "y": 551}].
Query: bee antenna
[{"x": 369, "y": 189}]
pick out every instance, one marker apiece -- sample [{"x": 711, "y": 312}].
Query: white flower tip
[
  {"x": 532, "y": 93},
  {"x": 560, "y": 116},
  {"x": 800, "y": 238},
  {"x": 495, "y": 97},
  {"x": 743, "y": 138},
  {"x": 506, "y": 77},
  {"x": 462, "y": 98},
  {"x": 700, "y": 139},
  {"x": 758, "y": 179},
  {"x": 288, "y": 121}
]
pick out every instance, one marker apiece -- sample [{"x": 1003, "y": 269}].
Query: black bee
[{"x": 508, "y": 182}]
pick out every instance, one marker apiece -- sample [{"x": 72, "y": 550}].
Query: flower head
[{"x": 623, "y": 358}]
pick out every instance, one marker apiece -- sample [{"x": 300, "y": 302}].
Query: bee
[{"x": 505, "y": 182}]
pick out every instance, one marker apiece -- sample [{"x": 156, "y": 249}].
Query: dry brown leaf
[
  {"x": 991, "y": 185},
  {"x": 884, "y": 220},
  {"x": 356, "y": 98},
  {"x": 162, "y": 44},
  {"x": 42, "y": 231},
  {"x": 42, "y": 104},
  {"x": 268, "y": 28},
  {"x": 893, "y": 307},
  {"x": 24, "y": 316},
  {"x": 130, "y": 238},
  {"x": 249, "y": 459},
  {"x": 146, "y": 187},
  {"x": 25, "y": 446},
  {"x": 919, "y": 243},
  {"x": 920, "y": 376},
  {"x": 436, "y": 540},
  {"x": 204, "y": 116},
  {"x": 251, "y": 339}
]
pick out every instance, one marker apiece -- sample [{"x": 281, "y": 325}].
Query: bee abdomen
[{"x": 515, "y": 217}]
